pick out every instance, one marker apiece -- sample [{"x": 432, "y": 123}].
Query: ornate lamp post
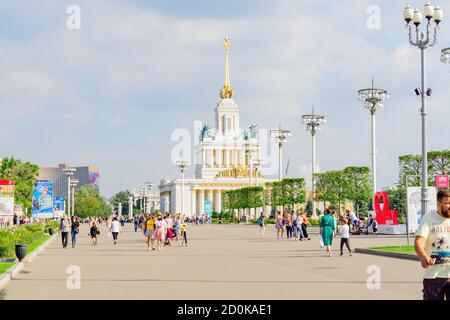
[
  {"x": 69, "y": 171},
  {"x": 313, "y": 124},
  {"x": 373, "y": 99},
  {"x": 281, "y": 136},
  {"x": 423, "y": 40},
  {"x": 257, "y": 163},
  {"x": 182, "y": 165}
]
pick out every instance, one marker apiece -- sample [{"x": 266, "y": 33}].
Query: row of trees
[
  {"x": 350, "y": 184},
  {"x": 89, "y": 202},
  {"x": 410, "y": 172},
  {"x": 278, "y": 193}
]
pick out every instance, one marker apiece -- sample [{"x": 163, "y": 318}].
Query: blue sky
[{"x": 113, "y": 92}]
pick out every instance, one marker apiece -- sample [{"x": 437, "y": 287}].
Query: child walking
[{"x": 345, "y": 236}]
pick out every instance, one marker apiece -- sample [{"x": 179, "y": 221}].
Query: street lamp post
[
  {"x": 150, "y": 186},
  {"x": 69, "y": 171},
  {"x": 130, "y": 207},
  {"x": 249, "y": 152},
  {"x": 143, "y": 200},
  {"x": 281, "y": 136},
  {"x": 73, "y": 184},
  {"x": 182, "y": 165},
  {"x": 313, "y": 124},
  {"x": 257, "y": 164},
  {"x": 373, "y": 99},
  {"x": 423, "y": 41}
]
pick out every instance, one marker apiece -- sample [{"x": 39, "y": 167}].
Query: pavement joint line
[
  {"x": 15, "y": 269},
  {"x": 389, "y": 254}
]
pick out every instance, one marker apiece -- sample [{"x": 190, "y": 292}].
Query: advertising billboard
[
  {"x": 442, "y": 181},
  {"x": 58, "y": 207},
  {"x": 94, "y": 176},
  {"x": 42, "y": 199},
  {"x": 208, "y": 207},
  {"x": 6, "y": 197},
  {"x": 414, "y": 205}
]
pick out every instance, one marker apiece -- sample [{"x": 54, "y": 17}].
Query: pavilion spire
[{"x": 227, "y": 92}]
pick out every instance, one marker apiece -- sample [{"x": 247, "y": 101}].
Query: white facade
[{"x": 223, "y": 161}]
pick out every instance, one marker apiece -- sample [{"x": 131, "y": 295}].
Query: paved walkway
[{"x": 221, "y": 262}]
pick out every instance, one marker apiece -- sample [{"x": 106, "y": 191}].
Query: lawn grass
[
  {"x": 401, "y": 249},
  {"x": 36, "y": 244},
  {"x": 5, "y": 266}
]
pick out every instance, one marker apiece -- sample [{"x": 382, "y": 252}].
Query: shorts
[
  {"x": 436, "y": 289},
  {"x": 149, "y": 233}
]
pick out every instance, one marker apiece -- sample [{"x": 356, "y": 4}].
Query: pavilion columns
[
  {"x": 210, "y": 196},
  {"x": 194, "y": 202},
  {"x": 219, "y": 157},
  {"x": 201, "y": 202},
  {"x": 227, "y": 158},
  {"x": 218, "y": 201}
]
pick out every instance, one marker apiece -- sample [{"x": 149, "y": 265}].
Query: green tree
[
  {"x": 358, "y": 187},
  {"x": 438, "y": 163},
  {"x": 293, "y": 191},
  {"x": 24, "y": 175},
  {"x": 123, "y": 198},
  {"x": 89, "y": 202},
  {"x": 332, "y": 186}
]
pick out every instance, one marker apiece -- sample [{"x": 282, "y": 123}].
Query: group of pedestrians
[
  {"x": 199, "y": 219},
  {"x": 160, "y": 231},
  {"x": 295, "y": 225},
  {"x": 72, "y": 226}
]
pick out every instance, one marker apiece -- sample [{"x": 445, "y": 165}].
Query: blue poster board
[
  {"x": 42, "y": 199},
  {"x": 208, "y": 207}
]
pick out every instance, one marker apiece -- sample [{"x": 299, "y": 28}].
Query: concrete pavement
[{"x": 221, "y": 262}]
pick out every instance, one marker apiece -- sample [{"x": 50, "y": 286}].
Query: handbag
[{"x": 321, "y": 241}]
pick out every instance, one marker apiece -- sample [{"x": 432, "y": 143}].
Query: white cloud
[{"x": 151, "y": 72}]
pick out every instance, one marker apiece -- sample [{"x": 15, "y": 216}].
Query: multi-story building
[{"x": 84, "y": 175}]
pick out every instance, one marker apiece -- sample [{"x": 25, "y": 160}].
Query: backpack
[{"x": 260, "y": 221}]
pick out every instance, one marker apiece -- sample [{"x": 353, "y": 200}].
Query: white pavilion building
[{"x": 225, "y": 156}]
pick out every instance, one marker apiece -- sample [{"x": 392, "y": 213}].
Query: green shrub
[{"x": 25, "y": 234}]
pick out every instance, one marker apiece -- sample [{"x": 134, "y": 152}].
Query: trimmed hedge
[{"x": 24, "y": 234}]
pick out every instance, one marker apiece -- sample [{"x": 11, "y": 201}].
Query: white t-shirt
[
  {"x": 353, "y": 216},
  {"x": 115, "y": 226},
  {"x": 345, "y": 231},
  {"x": 436, "y": 229}
]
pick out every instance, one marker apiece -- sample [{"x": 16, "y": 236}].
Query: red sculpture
[{"x": 384, "y": 215}]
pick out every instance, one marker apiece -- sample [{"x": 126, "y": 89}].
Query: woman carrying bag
[{"x": 327, "y": 229}]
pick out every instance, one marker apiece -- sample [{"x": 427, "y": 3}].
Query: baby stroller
[{"x": 360, "y": 228}]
